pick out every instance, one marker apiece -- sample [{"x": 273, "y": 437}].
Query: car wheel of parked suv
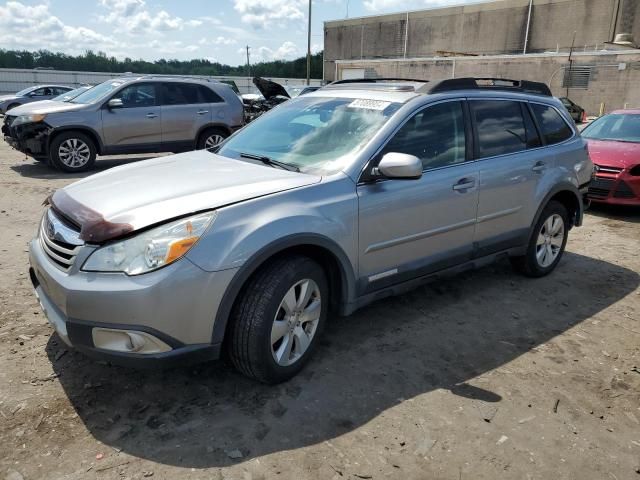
[
  {"x": 210, "y": 138},
  {"x": 547, "y": 242},
  {"x": 73, "y": 152},
  {"x": 278, "y": 319}
]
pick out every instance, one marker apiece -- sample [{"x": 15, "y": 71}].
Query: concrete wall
[
  {"x": 615, "y": 77},
  {"x": 14, "y": 79},
  {"x": 485, "y": 29}
]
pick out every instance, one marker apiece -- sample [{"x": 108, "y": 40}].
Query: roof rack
[
  {"x": 376, "y": 80},
  {"x": 169, "y": 76},
  {"x": 506, "y": 84}
]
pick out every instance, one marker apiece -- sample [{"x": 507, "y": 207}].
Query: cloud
[
  {"x": 34, "y": 27},
  {"x": 286, "y": 51},
  {"x": 263, "y": 13},
  {"x": 133, "y": 16}
]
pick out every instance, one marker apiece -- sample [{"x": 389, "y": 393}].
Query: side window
[
  {"x": 208, "y": 96},
  {"x": 39, "y": 92},
  {"x": 553, "y": 127},
  {"x": 180, "y": 94},
  {"x": 533, "y": 139},
  {"x": 435, "y": 135},
  {"x": 500, "y": 127},
  {"x": 138, "y": 95}
]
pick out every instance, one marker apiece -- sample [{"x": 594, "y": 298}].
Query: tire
[
  {"x": 541, "y": 259},
  {"x": 64, "y": 146},
  {"x": 255, "y": 344},
  {"x": 210, "y": 138}
]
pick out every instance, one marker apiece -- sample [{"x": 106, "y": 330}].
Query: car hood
[
  {"x": 127, "y": 198},
  {"x": 46, "y": 107},
  {"x": 270, "y": 89},
  {"x": 614, "y": 154}
]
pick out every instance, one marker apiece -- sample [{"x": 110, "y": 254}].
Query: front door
[
  {"x": 409, "y": 228},
  {"x": 137, "y": 124}
]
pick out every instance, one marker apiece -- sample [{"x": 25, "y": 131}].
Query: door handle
[
  {"x": 152, "y": 115},
  {"x": 202, "y": 112},
  {"x": 539, "y": 166},
  {"x": 464, "y": 184}
]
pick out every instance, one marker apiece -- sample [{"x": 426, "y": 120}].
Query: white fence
[{"x": 13, "y": 79}]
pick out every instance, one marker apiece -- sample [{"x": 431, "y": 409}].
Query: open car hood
[{"x": 270, "y": 89}]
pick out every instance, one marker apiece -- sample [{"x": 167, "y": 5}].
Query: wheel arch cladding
[
  {"x": 569, "y": 196},
  {"x": 95, "y": 138},
  {"x": 329, "y": 256}
]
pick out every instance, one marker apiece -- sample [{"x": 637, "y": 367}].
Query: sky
[{"x": 218, "y": 30}]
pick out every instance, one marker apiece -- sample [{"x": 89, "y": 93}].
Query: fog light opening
[{"x": 127, "y": 341}]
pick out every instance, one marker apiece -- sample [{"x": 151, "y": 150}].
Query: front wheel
[
  {"x": 73, "y": 152},
  {"x": 278, "y": 318},
  {"x": 547, "y": 243}
]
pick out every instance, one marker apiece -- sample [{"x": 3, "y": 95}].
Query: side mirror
[
  {"x": 400, "y": 166},
  {"x": 115, "y": 103}
]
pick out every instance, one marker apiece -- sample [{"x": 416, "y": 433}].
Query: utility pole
[
  {"x": 569, "y": 77},
  {"x": 309, "y": 47},
  {"x": 248, "y": 64},
  {"x": 347, "y": 15}
]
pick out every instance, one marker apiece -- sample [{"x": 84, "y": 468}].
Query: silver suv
[
  {"x": 330, "y": 201},
  {"x": 126, "y": 115}
]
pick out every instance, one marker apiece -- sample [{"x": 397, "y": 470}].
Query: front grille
[
  {"x": 623, "y": 190},
  {"x": 59, "y": 241},
  {"x": 604, "y": 169},
  {"x": 601, "y": 187}
]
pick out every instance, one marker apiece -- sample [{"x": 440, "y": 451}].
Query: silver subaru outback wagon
[{"x": 343, "y": 196}]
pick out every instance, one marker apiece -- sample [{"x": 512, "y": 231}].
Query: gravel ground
[{"x": 483, "y": 376}]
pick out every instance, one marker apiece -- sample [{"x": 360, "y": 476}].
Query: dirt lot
[{"x": 484, "y": 376}]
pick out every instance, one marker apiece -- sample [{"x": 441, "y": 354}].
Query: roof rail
[
  {"x": 177, "y": 76},
  {"x": 471, "y": 83},
  {"x": 376, "y": 80}
]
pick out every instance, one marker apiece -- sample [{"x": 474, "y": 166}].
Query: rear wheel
[
  {"x": 547, "y": 242},
  {"x": 278, "y": 318},
  {"x": 73, "y": 152},
  {"x": 210, "y": 138}
]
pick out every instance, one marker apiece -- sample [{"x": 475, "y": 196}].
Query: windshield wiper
[{"x": 270, "y": 161}]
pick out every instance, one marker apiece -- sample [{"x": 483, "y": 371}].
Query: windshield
[
  {"x": 98, "y": 92},
  {"x": 65, "y": 97},
  {"x": 315, "y": 134},
  {"x": 22, "y": 93},
  {"x": 620, "y": 127}
]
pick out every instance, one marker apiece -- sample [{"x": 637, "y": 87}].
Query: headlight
[
  {"x": 152, "y": 249},
  {"x": 35, "y": 118}
]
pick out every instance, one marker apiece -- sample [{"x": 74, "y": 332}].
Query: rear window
[
  {"x": 500, "y": 126},
  {"x": 552, "y": 126}
]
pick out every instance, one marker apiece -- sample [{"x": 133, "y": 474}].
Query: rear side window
[
  {"x": 552, "y": 126},
  {"x": 435, "y": 135},
  {"x": 180, "y": 94},
  {"x": 208, "y": 96},
  {"x": 500, "y": 126}
]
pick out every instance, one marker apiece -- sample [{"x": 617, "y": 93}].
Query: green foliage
[{"x": 100, "y": 62}]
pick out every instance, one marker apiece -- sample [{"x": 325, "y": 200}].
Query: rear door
[
  {"x": 408, "y": 228},
  {"x": 185, "y": 110},
  {"x": 512, "y": 162},
  {"x": 136, "y": 125}
]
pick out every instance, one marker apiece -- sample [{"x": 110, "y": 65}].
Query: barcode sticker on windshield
[{"x": 369, "y": 104}]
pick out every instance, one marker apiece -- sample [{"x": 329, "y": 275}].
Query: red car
[{"x": 614, "y": 148}]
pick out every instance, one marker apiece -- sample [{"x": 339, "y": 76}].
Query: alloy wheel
[
  {"x": 550, "y": 240},
  {"x": 74, "y": 153},
  {"x": 296, "y": 322},
  {"x": 212, "y": 141}
]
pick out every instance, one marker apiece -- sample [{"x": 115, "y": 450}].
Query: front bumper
[
  {"x": 29, "y": 138},
  {"x": 176, "y": 305},
  {"x": 615, "y": 188}
]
